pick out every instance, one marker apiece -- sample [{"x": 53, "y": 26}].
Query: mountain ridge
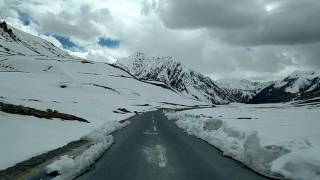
[
  {"x": 300, "y": 85},
  {"x": 177, "y": 76},
  {"x": 16, "y": 42}
]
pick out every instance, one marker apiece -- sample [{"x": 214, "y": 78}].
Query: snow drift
[{"x": 68, "y": 167}]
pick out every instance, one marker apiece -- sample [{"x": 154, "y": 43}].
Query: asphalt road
[{"x": 153, "y": 148}]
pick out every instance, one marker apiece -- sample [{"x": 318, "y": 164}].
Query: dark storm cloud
[
  {"x": 227, "y": 14},
  {"x": 248, "y": 22}
]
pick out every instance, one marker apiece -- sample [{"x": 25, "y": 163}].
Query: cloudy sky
[{"x": 254, "y": 39}]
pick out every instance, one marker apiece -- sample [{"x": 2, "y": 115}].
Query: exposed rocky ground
[{"x": 48, "y": 114}]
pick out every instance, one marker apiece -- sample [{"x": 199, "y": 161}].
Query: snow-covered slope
[
  {"x": 16, "y": 42},
  {"x": 300, "y": 85},
  {"x": 34, "y": 73},
  {"x": 173, "y": 74},
  {"x": 242, "y": 90}
]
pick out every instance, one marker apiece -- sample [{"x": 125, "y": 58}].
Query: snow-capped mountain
[
  {"x": 173, "y": 74},
  {"x": 300, "y": 85},
  {"x": 241, "y": 90},
  {"x": 16, "y": 42}
]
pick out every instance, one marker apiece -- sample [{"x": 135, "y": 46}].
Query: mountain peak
[
  {"x": 6, "y": 29},
  {"x": 140, "y": 56},
  {"x": 171, "y": 72},
  {"x": 16, "y": 42}
]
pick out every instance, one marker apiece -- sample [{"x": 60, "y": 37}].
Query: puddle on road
[{"x": 156, "y": 155}]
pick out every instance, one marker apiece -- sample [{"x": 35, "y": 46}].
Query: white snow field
[
  {"x": 93, "y": 91},
  {"x": 278, "y": 140}
]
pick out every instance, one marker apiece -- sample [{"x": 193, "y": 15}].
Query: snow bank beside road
[
  {"x": 293, "y": 156},
  {"x": 68, "y": 167}
]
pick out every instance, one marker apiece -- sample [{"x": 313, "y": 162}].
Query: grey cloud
[
  {"x": 247, "y": 22},
  {"x": 262, "y": 60},
  {"x": 81, "y": 24},
  {"x": 149, "y": 6},
  {"x": 248, "y": 40},
  {"x": 308, "y": 55},
  {"x": 7, "y": 8},
  {"x": 211, "y": 13},
  {"x": 57, "y": 25}
]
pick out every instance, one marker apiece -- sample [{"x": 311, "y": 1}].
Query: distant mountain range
[
  {"x": 169, "y": 73},
  {"x": 300, "y": 85}
]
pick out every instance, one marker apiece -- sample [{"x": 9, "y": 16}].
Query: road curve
[{"x": 154, "y": 148}]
